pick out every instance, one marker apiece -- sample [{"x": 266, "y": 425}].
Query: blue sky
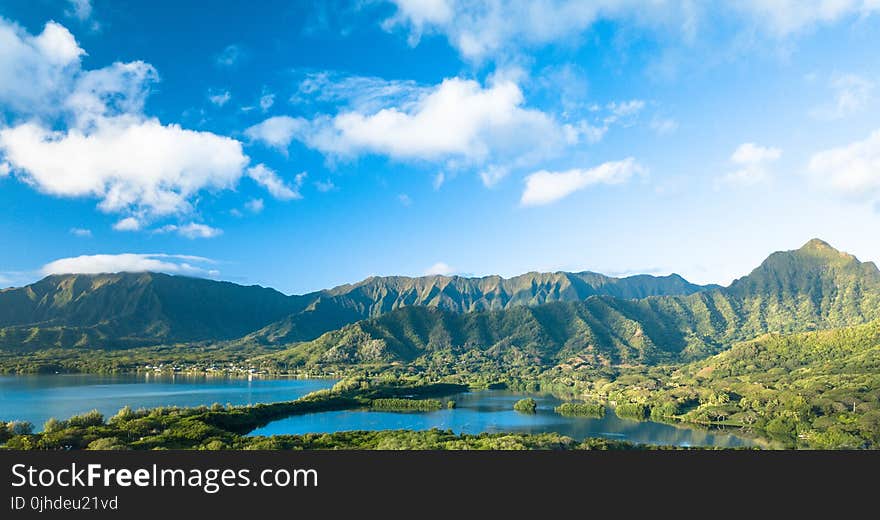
[{"x": 302, "y": 145}]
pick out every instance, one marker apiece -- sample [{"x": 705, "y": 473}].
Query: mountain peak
[
  {"x": 817, "y": 243},
  {"x": 824, "y": 250}
]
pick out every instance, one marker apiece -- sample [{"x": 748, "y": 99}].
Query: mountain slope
[
  {"x": 130, "y": 309},
  {"x": 376, "y": 296},
  {"x": 815, "y": 287},
  {"x": 133, "y": 309}
]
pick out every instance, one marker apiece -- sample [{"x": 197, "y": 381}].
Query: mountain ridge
[{"x": 812, "y": 288}]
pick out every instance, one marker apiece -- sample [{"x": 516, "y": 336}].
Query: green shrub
[{"x": 527, "y": 405}]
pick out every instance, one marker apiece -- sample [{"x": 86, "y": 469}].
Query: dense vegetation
[
  {"x": 407, "y": 405},
  {"x": 527, "y": 405},
  {"x": 581, "y": 409},
  {"x": 789, "y": 352}
]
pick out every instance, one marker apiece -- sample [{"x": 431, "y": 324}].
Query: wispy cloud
[
  {"x": 851, "y": 171},
  {"x": 219, "y": 97},
  {"x": 81, "y": 232},
  {"x": 274, "y": 184},
  {"x": 545, "y": 187},
  {"x": 852, "y": 93},
  {"x": 191, "y": 230},
  {"x": 229, "y": 56},
  {"x": 752, "y": 163}
]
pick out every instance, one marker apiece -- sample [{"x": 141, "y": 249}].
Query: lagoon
[
  {"x": 492, "y": 411},
  {"x": 35, "y": 398}
]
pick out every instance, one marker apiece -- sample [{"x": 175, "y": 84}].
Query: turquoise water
[
  {"x": 492, "y": 411},
  {"x": 37, "y": 398}
]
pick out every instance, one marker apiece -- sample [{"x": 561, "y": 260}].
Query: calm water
[
  {"x": 36, "y": 398},
  {"x": 492, "y": 411}
]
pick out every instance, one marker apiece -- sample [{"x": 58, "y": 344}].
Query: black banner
[{"x": 331, "y": 483}]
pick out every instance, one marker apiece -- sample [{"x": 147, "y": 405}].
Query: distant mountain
[
  {"x": 131, "y": 309},
  {"x": 376, "y": 296},
  {"x": 134, "y": 309},
  {"x": 814, "y": 287}
]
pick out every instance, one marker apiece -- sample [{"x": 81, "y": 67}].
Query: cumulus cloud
[
  {"x": 132, "y": 262},
  {"x": 544, "y": 187},
  {"x": 131, "y": 164},
  {"x": 277, "y": 132},
  {"x": 440, "y": 268},
  {"x": 274, "y": 184},
  {"x": 458, "y": 120},
  {"x": 37, "y": 71},
  {"x": 493, "y": 28},
  {"x": 128, "y": 224},
  {"x": 753, "y": 164},
  {"x": 83, "y": 133},
  {"x": 852, "y": 171}
]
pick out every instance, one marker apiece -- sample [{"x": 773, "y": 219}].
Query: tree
[{"x": 527, "y": 405}]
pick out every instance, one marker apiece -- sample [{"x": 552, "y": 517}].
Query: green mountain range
[
  {"x": 133, "y": 309},
  {"x": 536, "y": 319},
  {"x": 136, "y": 309},
  {"x": 814, "y": 287}
]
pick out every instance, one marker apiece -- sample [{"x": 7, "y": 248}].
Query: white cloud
[
  {"x": 405, "y": 200},
  {"x": 545, "y": 187},
  {"x": 852, "y": 93},
  {"x": 219, "y": 97},
  {"x": 623, "y": 109},
  {"x": 81, "y": 232},
  {"x": 230, "y": 56},
  {"x": 191, "y": 231},
  {"x": 4, "y": 169},
  {"x": 131, "y": 164},
  {"x": 852, "y": 171},
  {"x": 458, "y": 119},
  {"x": 81, "y": 9},
  {"x": 497, "y": 28},
  {"x": 82, "y": 133},
  {"x": 785, "y": 17},
  {"x": 277, "y": 132},
  {"x": 274, "y": 184},
  {"x": 753, "y": 162},
  {"x": 131, "y": 262},
  {"x": 37, "y": 71},
  {"x": 438, "y": 181},
  {"x": 266, "y": 101},
  {"x": 357, "y": 93},
  {"x": 128, "y": 224},
  {"x": 254, "y": 205},
  {"x": 440, "y": 268}
]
